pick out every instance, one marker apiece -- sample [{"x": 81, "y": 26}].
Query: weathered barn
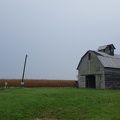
[{"x": 99, "y": 69}]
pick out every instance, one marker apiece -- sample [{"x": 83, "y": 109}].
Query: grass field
[{"x": 59, "y": 104}]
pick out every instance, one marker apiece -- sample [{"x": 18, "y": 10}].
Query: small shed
[{"x": 99, "y": 69}]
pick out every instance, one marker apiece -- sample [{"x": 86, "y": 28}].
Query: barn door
[{"x": 90, "y": 81}]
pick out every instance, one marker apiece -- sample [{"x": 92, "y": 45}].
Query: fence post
[{"x": 6, "y": 83}]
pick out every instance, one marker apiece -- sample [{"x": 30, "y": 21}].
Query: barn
[{"x": 99, "y": 69}]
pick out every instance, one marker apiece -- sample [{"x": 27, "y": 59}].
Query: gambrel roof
[{"x": 108, "y": 61}]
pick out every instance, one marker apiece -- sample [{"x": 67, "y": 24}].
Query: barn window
[{"x": 89, "y": 56}]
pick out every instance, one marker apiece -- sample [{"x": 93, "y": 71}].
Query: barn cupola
[{"x": 108, "y": 49}]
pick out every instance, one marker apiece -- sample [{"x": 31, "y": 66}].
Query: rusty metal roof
[{"x": 108, "y": 60}]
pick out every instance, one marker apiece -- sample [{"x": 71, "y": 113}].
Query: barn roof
[
  {"x": 108, "y": 60},
  {"x": 104, "y": 47}
]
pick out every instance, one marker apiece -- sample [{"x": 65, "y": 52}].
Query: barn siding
[
  {"x": 98, "y": 81},
  {"x": 112, "y": 78},
  {"x": 81, "y": 82},
  {"x": 102, "y": 81}
]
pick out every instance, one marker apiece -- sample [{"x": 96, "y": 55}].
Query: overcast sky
[{"x": 55, "y": 34}]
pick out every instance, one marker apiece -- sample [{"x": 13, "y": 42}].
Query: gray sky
[{"x": 55, "y": 34}]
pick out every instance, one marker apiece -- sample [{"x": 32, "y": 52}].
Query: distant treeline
[{"x": 38, "y": 83}]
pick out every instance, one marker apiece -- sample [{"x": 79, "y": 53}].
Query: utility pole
[{"x": 22, "y": 82}]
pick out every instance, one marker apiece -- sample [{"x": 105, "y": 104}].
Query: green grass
[{"x": 59, "y": 103}]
